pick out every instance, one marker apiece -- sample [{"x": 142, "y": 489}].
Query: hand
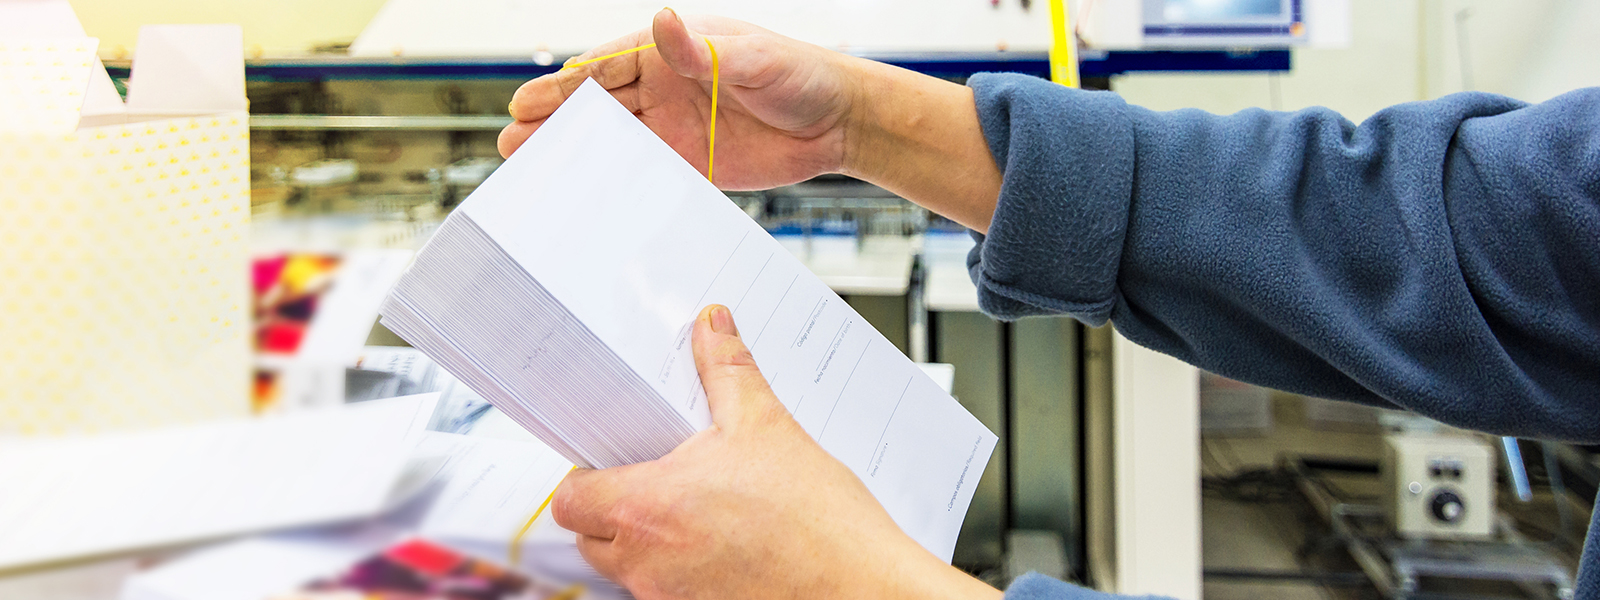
[
  {"x": 782, "y": 111},
  {"x": 751, "y": 507},
  {"x": 789, "y": 111}
]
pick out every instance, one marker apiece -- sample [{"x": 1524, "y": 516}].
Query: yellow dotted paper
[
  {"x": 123, "y": 275},
  {"x": 42, "y": 83}
]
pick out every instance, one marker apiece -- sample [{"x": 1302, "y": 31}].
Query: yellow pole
[{"x": 1064, "y": 49}]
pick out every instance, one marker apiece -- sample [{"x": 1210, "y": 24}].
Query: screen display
[
  {"x": 1213, "y": 11},
  {"x": 1223, "y": 23}
]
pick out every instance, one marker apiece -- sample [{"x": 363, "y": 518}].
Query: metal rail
[
  {"x": 360, "y": 123},
  {"x": 1335, "y": 514}
]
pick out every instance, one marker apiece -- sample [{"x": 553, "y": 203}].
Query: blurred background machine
[
  {"x": 1436, "y": 525},
  {"x": 361, "y": 146}
]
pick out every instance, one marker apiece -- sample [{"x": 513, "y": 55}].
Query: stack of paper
[
  {"x": 487, "y": 489},
  {"x": 480, "y": 494},
  {"x": 77, "y": 497},
  {"x": 250, "y": 569},
  {"x": 564, "y": 290},
  {"x": 310, "y": 567}
]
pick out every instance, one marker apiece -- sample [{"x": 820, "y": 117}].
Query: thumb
[
  {"x": 688, "y": 54},
  {"x": 736, "y": 392}
]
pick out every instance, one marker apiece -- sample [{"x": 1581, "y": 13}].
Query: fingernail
[
  {"x": 675, "y": 14},
  {"x": 722, "y": 321},
  {"x": 511, "y": 108}
]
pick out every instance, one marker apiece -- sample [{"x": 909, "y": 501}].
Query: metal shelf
[
  {"x": 351, "y": 123},
  {"x": 951, "y": 65}
]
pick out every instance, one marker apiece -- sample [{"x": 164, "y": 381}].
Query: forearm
[
  {"x": 919, "y": 137},
  {"x": 1430, "y": 258}
]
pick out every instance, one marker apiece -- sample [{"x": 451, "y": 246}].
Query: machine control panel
[{"x": 1439, "y": 486}]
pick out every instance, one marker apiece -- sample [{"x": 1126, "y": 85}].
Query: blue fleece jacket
[{"x": 1442, "y": 257}]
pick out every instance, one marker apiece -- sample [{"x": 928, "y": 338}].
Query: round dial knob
[{"x": 1447, "y": 507}]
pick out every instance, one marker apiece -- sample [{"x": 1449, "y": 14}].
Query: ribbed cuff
[{"x": 1056, "y": 238}]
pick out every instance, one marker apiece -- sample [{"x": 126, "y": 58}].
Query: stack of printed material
[
  {"x": 478, "y": 493},
  {"x": 564, "y": 290},
  {"x": 332, "y": 567},
  {"x": 82, "y": 496},
  {"x": 486, "y": 489}
]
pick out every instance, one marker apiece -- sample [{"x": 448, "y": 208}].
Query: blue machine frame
[{"x": 954, "y": 65}]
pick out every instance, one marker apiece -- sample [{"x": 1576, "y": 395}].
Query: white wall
[
  {"x": 1406, "y": 50},
  {"x": 522, "y": 27},
  {"x": 1528, "y": 49},
  {"x": 1156, "y": 443},
  {"x": 279, "y": 27},
  {"x": 1402, "y": 49},
  {"x": 518, "y": 27}
]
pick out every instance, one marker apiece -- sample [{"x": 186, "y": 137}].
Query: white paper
[
  {"x": 252, "y": 569},
  {"x": 345, "y": 314},
  {"x": 97, "y": 580},
  {"x": 1328, "y": 23},
  {"x": 633, "y": 242},
  {"x": 45, "y": 19},
  {"x": 187, "y": 69},
  {"x": 490, "y": 487},
  {"x": 80, "y": 496}
]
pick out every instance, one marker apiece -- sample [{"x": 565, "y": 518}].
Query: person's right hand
[
  {"x": 751, "y": 507},
  {"x": 784, "y": 107}
]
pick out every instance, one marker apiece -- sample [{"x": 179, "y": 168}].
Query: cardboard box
[{"x": 124, "y": 284}]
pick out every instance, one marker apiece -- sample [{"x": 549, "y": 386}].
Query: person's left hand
[{"x": 751, "y": 507}]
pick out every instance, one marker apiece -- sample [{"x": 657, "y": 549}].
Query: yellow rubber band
[
  {"x": 711, "y": 136},
  {"x": 608, "y": 56},
  {"x": 514, "y": 553},
  {"x": 716, "y": 83}
]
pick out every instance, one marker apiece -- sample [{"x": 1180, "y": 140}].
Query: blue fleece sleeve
[
  {"x": 1034, "y": 586},
  {"x": 1444, "y": 256}
]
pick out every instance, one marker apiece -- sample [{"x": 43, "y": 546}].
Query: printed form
[
  {"x": 489, "y": 487},
  {"x": 634, "y": 242}
]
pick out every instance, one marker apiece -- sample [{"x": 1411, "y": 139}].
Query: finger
[
  {"x": 631, "y": 96},
  {"x": 684, "y": 50},
  {"x": 735, "y": 390},
  {"x": 539, "y": 97},
  {"x": 514, "y": 135},
  {"x": 602, "y": 555},
  {"x": 586, "y": 501}
]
